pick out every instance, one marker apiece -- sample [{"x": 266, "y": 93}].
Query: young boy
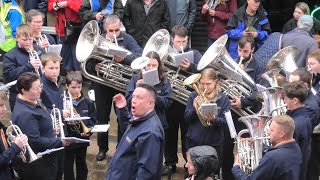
[
  {"x": 7, "y": 154},
  {"x": 84, "y": 107},
  {"x": 17, "y": 60}
]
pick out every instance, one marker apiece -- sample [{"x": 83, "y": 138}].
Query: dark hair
[
  {"x": 179, "y": 30},
  {"x": 150, "y": 89},
  {"x": 295, "y": 90},
  {"x": 25, "y": 81},
  {"x": 244, "y": 40},
  {"x": 162, "y": 73},
  {"x": 74, "y": 76},
  {"x": 304, "y": 75}
]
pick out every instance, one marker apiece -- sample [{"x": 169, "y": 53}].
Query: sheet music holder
[
  {"x": 100, "y": 128},
  {"x": 151, "y": 77},
  {"x": 233, "y": 73},
  {"x": 177, "y": 58},
  {"x": 76, "y": 118},
  {"x": 117, "y": 51},
  {"x": 232, "y": 129},
  {"x": 76, "y": 140},
  {"x": 49, "y": 151},
  {"x": 209, "y": 108},
  {"x": 55, "y": 48}
]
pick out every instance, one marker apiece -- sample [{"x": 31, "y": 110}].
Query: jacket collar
[
  {"x": 285, "y": 145},
  {"x": 141, "y": 119},
  {"x": 30, "y": 105},
  {"x": 241, "y": 13},
  {"x": 297, "y": 112},
  {"x": 50, "y": 83}
]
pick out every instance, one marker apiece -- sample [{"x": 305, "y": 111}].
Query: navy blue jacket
[
  {"x": 279, "y": 163},
  {"x": 52, "y": 93},
  {"x": 212, "y": 135},
  {"x": 6, "y": 156},
  {"x": 312, "y": 107},
  {"x": 238, "y": 23},
  {"x": 85, "y": 107},
  {"x": 302, "y": 135},
  {"x": 163, "y": 101},
  {"x": 36, "y": 123},
  {"x": 16, "y": 62},
  {"x": 139, "y": 153}
]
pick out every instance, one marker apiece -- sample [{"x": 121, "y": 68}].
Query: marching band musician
[
  {"x": 175, "y": 116},
  {"x": 17, "y": 60},
  {"x": 295, "y": 96},
  {"x": 33, "y": 119},
  {"x": 282, "y": 161},
  {"x": 163, "y": 88},
  {"x": 77, "y": 153},
  {"x": 213, "y": 135},
  {"x": 7, "y": 154},
  {"x": 34, "y": 19},
  {"x": 104, "y": 94}
]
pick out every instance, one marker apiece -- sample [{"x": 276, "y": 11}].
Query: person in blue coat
[
  {"x": 282, "y": 161},
  {"x": 34, "y": 121},
  {"x": 295, "y": 95},
  {"x": 8, "y": 154},
  {"x": 139, "y": 153},
  {"x": 17, "y": 60},
  {"x": 163, "y": 88},
  {"x": 248, "y": 20},
  {"x": 212, "y": 135}
]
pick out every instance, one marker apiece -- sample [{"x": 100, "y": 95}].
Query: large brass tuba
[
  {"x": 250, "y": 153},
  {"x": 217, "y": 57},
  {"x": 92, "y": 45}
]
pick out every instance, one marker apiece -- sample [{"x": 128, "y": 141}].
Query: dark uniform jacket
[
  {"x": 163, "y": 101},
  {"x": 212, "y": 135},
  {"x": 302, "y": 135},
  {"x": 140, "y": 151},
  {"x": 280, "y": 163},
  {"x": 52, "y": 93},
  {"x": 312, "y": 108},
  {"x": 16, "y": 62},
  {"x": 292, "y": 24},
  {"x": 238, "y": 23},
  {"x": 6, "y": 157},
  {"x": 141, "y": 25}
]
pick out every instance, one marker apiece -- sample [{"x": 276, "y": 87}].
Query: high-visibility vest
[{"x": 10, "y": 41}]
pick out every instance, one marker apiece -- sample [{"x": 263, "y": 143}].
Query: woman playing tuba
[{"x": 201, "y": 133}]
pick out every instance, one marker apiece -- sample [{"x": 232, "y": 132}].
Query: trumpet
[
  {"x": 57, "y": 121},
  {"x": 33, "y": 56},
  {"x": 75, "y": 121},
  {"x": 42, "y": 37},
  {"x": 14, "y": 129}
]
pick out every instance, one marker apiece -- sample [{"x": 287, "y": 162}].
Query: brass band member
[
  {"x": 33, "y": 120},
  {"x": 213, "y": 135},
  {"x": 280, "y": 162},
  {"x": 7, "y": 154}
]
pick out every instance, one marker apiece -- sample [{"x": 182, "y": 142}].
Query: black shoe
[
  {"x": 101, "y": 156},
  {"x": 168, "y": 169}
]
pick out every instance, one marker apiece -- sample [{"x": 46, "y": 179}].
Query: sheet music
[
  {"x": 115, "y": 50},
  {"x": 177, "y": 58},
  {"x": 8, "y": 85},
  {"x": 209, "y": 109},
  {"x": 233, "y": 74},
  {"x": 151, "y": 77},
  {"x": 55, "y": 48},
  {"x": 77, "y": 118},
  {"x": 260, "y": 87},
  {"x": 100, "y": 128},
  {"x": 76, "y": 140},
  {"x": 232, "y": 129},
  {"x": 49, "y": 151}
]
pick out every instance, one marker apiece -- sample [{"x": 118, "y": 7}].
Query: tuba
[
  {"x": 14, "y": 129},
  {"x": 218, "y": 58},
  {"x": 193, "y": 80},
  {"x": 92, "y": 45},
  {"x": 250, "y": 154}
]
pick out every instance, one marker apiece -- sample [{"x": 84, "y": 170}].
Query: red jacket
[
  {"x": 69, "y": 13},
  {"x": 221, "y": 18}
]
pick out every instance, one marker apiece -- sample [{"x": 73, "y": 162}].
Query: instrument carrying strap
[{"x": 3, "y": 138}]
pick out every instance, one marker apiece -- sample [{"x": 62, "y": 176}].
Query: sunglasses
[{"x": 113, "y": 30}]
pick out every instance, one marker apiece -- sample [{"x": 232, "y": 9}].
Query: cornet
[
  {"x": 57, "y": 121},
  {"x": 33, "y": 56},
  {"x": 42, "y": 37},
  {"x": 14, "y": 129}
]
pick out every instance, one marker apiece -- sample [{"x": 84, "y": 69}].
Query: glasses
[
  {"x": 37, "y": 22},
  {"x": 113, "y": 30},
  {"x": 39, "y": 88}
]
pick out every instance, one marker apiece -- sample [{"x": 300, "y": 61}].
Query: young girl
[{"x": 76, "y": 153}]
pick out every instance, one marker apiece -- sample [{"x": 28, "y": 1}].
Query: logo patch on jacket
[
  {"x": 128, "y": 139},
  {"x": 85, "y": 111}
]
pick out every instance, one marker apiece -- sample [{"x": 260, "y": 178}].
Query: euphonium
[
  {"x": 200, "y": 99},
  {"x": 14, "y": 129},
  {"x": 250, "y": 153}
]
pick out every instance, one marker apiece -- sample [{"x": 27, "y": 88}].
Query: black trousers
[
  {"x": 60, "y": 164},
  {"x": 43, "y": 168},
  {"x": 76, "y": 155},
  {"x": 175, "y": 118},
  {"x": 314, "y": 163}
]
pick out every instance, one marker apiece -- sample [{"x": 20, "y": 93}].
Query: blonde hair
[
  {"x": 304, "y": 7},
  {"x": 315, "y": 54},
  {"x": 24, "y": 30},
  {"x": 286, "y": 123},
  {"x": 3, "y": 96},
  {"x": 50, "y": 56},
  {"x": 210, "y": 73}
]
